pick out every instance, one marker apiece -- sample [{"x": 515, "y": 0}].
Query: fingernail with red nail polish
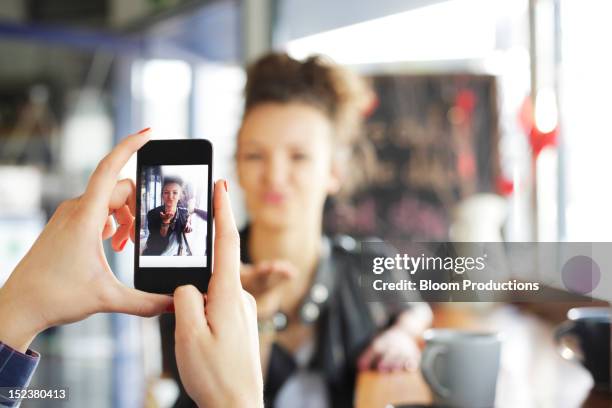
[
  {"x": 144, "y": 130},
  {"x": 225, "y": 185},
  {"x": 122, "y": 245},
  {"x": 169, "y": 308}
]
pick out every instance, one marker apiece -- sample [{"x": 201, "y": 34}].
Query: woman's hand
[
  {"x": 65, "y": 276},
  {"x": 264, "y": 281},
  {"x": 188, "y": 227},
  {"x": 392, "y": 350},
  {"x": 166, "y": 217},
  {"x": 397, "y": 347},
  {"x": 217, "y": 346}
]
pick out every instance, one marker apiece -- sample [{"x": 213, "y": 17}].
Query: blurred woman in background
[
  {"x": 295, "y": 147},
  {"x": 301, "y": 127}
]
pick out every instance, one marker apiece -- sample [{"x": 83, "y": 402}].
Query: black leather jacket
[{"x": 156, "y": 244}]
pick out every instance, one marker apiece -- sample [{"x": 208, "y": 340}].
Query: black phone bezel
[{"x": 173, "y": 152}]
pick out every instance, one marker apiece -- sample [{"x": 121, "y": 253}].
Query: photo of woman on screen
[{"x": 169, "y": 222}]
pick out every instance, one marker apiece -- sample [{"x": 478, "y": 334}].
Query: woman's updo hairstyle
[
  {"x": 343, "y": 96},
  {"x": 172, "y": 180}
]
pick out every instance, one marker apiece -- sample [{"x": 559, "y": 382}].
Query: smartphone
[{"x": 173, "y": 215}]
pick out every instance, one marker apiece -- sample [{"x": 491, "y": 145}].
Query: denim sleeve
[{"x": 16, "y": 370}]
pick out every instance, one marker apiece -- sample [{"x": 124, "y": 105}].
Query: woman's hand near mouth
[{"x": 166, "y": 216}]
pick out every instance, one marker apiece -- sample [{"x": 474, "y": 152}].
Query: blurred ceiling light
[
  {"x": 514, "y": 60},
  {"x": 161, "y": 90},
  {"x": 458, "y": 29},
  {"x": 166, "y": 79},
  {"x": 546, "y": 112},
  {"x": 87, "y": 132}
]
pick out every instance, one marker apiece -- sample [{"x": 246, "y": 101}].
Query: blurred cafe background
[{"x": 486, "y": 110}]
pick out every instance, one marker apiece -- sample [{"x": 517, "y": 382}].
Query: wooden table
[
  {"x": 376, "y": 390},
  {"x": 532, "y": 374}
]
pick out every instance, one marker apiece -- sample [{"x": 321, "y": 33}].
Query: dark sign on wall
[{"x": 436, "y": 139}]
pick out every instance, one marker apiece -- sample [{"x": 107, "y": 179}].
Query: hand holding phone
[
  {"x": 217, "y": 343},
  {"x": 65, "y": 276}
]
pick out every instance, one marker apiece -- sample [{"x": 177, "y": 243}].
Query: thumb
[
  {"x": 189, "y": 309},
  {"x": 226, "y": 272},
  {"x": 138, "y": 303}
]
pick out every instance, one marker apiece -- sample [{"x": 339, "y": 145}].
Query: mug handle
[
  {"x": 561, "y": 331},
  {"x": 430, "y": 354}
]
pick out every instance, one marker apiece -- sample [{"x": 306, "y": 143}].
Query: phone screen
[
  {"x": 173, "y": 216},
  {"x": 174, "y": 219}
]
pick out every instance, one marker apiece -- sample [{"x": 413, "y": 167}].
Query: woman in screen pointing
[{"x": 169, "y": 222}]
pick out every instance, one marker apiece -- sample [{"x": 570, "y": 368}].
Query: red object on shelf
[
  {"x": 466, "y": 101},
  {"x": 373, "y": 103},
  {"x": 504, "y": 186},
  {"x": 540, "y": 140}
]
